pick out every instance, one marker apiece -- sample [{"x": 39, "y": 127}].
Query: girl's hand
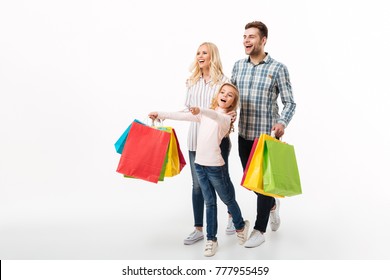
[
  {"x": 233, "y": 115},
  {"x": 195, "y": 110},
  {"x": 153, "y": 115}
]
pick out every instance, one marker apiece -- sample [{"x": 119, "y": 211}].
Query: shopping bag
[
  {"x": 253, "y": 175},
  {"x": 182, "y": 161},
  {"x": 144, "y": 152},
  {"x": 249, "y": 161},
  {"x": 120, "y": 143},
  {"x": 280, "y": 169},
  {"x": 162, "y": 173},
  {"x": 175, "y": 159}
]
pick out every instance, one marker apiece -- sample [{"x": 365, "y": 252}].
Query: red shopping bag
[{"x": 144, "y": 152}]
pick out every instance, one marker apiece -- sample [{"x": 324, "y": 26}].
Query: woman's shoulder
[{"x": 225, "y": 79}]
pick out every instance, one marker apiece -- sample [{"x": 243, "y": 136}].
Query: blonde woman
[
  {"x": 213, "y": 176},
  {"x": 206, "y": 77}
]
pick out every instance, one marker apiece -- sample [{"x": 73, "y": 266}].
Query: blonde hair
[
  {"x": 216, "y": 72},
  {"x": 233, "y": 107}
]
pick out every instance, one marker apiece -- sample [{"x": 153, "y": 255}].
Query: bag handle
[
  {"x": 158, "y": 121},
  {"x": 273, "y": 135}
]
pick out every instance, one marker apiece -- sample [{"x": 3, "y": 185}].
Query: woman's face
[
  {"x": 226, "y": 97},
  {"x": 203, "y": 57}
]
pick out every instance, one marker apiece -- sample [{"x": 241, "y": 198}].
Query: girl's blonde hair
[
  {"x": 216, "y": 72},
  {"x": 233, "y": 107}
]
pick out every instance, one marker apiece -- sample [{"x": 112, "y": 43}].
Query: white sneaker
[
  {"x": 230, "y": 229},
  {"x": 243, "y": 235},
  {"x": 210, "y": 248},
  {"x": 255, "y": 239},
  {"x": 274, "y": 216},
  {"x": 194, "y": 236}
]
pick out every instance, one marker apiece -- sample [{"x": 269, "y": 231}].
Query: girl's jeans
[
  {"x": 197, "y": 196},
  {"x": 215, "y": 180}
]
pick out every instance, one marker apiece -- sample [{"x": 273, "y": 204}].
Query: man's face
[{"x": 253, "y": 44}]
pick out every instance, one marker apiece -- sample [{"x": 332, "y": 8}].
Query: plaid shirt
[{"x": 259, "y": 86}]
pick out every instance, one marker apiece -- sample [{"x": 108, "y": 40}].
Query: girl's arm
[
  {"x": 212, "y": 114},
  {"x": 179, "y": 116}
]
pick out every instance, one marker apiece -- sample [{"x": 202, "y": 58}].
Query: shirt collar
[
  {"x": 266, "y": 59},
  {"x": 205, "y": 80}
]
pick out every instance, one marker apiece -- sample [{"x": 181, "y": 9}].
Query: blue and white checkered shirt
[{"x": 259, "y": 86}]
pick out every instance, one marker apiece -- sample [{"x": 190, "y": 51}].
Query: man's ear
[{"x": 263, "y": 40}]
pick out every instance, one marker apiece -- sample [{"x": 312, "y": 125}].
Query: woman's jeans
[
  {"x": 215, "y": 180},
  {"x": 197, "y": 196}
]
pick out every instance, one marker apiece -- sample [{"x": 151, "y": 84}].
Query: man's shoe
[
  {"x": 255, "y": 239},
  {"x": 210, "y": 248},
  {"x": 230, "y": 229},
  {"x": 274, "y": 216},
  {"x": 194, "y": 237},
  {"x": 243, "y": 235}
]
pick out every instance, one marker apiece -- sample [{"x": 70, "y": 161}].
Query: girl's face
[
  {"x": 203, "y": 57},
  {"x": 226, "y": 97}
]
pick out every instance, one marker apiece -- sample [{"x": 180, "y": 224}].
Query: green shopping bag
[{"x": 280, "y": 169}]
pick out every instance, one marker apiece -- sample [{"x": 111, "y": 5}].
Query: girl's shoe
[{"x": 210, "y": 248}]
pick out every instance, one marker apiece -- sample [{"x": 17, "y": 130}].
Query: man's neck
[{"x": 258, "y": 58}]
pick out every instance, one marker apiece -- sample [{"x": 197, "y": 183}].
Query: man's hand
[{"x": 278, "y": 129}]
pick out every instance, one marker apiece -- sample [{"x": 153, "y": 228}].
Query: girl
[{"x": 215, "y": 124}]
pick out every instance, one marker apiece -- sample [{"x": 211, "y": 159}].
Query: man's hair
[{"x": 260, "y": 26}]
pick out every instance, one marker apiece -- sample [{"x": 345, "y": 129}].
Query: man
[{"x": 261, "y": 80}]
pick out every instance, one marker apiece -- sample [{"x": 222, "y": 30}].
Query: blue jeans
[
  {"x": 197, "y": 196},
  {"x": 215, "y": 180}
]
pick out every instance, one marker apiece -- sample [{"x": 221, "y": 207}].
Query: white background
[{"x": 74, "y": 74}]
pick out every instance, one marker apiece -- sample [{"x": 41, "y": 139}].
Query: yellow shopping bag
[
  {"x": 174, "y": 159},
  {"x": 253, "y": 174},
  {"x": 173, "y": 164}
]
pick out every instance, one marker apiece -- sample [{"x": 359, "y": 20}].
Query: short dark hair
[{"x": 260, "y": 26}]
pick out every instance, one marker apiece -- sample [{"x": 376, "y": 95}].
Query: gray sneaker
[
  {"x": 194, "y": 237},
  {"x": 274, "y": 216},
  {"x": 255, "y": 239},
  {"x": 230, "y": 229}
]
